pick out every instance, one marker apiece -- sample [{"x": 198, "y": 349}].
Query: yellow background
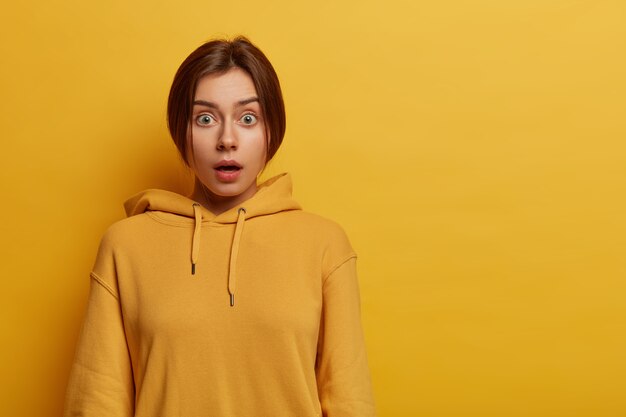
[{"x": 473, "y": 150}]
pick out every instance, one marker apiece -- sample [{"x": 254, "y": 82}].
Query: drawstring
[
  {"x": 234, "y": 250},
  {"x": 195, "y": 242}
]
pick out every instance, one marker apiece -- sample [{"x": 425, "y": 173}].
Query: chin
[{"x": 233, "y": 189}]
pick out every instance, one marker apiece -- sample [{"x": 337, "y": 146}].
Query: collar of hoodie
[{"x": 273, "y": 196}]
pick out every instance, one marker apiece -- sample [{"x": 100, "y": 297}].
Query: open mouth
[{"x": 230, "y": 168}]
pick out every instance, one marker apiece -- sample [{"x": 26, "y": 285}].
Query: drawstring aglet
[
  {"x": 232, "y": 300},
  {"x": 193, "y": 268}
]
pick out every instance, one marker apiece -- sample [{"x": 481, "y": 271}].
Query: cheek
[
  {"x": 197, "y": 158},
  {"x": 254, "y": 143},
  {"x": 262, "y": 149}
]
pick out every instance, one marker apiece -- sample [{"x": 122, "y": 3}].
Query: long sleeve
[
  {"x": 101, "y": 380},
  {"x": 342, "y": 371}
]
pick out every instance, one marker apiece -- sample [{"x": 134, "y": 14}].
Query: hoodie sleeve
[
  {"x": 101, "y": 380},
  {"x": 342, "y": 371}
]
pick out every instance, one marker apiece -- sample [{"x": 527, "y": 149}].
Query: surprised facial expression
[{"x": 228, "y": 135}]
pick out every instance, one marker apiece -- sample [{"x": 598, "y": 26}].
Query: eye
[
  {"x": 204, "y": 119},
  {"x": 248, "y": 119}
]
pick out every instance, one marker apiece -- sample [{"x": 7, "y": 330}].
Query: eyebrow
[{"x": 215, "y": 106}]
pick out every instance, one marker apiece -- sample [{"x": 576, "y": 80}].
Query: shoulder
[
  {"x": 115, "y": 238},
  {"x": 328, "y": 229},
  {"x": 335, "y": 243},
  {"x": 120, "y": 231}
]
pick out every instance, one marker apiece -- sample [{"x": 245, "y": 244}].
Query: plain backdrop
[{"x": 474, "y": 152}]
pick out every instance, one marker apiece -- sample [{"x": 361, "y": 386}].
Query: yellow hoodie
[{"x": 253, "y": 312}]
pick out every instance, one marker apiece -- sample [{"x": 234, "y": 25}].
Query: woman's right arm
[{"x": 101, "y": 378}]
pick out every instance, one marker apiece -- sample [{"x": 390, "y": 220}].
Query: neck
[{"x": 218, "y": 204}]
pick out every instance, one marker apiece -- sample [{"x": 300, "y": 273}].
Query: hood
[{"x": 272, "y": 196}]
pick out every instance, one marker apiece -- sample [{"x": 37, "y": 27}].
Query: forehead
[{"x": 231, "y": 86}]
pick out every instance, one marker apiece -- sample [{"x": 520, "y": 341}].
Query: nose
[{"x": 227, "y": 138}]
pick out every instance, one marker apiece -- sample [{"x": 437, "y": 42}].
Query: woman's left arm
[{"x": 343, "y": 377}]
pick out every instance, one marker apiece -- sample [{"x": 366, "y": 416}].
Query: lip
[
  {"x": 227, "y": 162},
  {"x": 227, "y": 176}
]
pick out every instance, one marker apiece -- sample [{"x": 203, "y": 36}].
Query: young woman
[{"x": 232, "y": 301}]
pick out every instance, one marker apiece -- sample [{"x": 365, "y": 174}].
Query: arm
[
  {"x": 101, "y": 379},
  {"x": 343, "y": 377}
]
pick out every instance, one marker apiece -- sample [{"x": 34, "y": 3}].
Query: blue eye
[
  {"x": 248, "y": 119},
  {"x": 204, "y": 120}
]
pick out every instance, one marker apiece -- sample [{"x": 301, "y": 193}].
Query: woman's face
[{"x": 227, "y": 125}]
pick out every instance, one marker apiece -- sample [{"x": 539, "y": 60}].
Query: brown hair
[{"x": 216, "y": 57}]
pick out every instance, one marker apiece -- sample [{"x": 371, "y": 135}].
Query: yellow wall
[{"x": 473, "y": 150}]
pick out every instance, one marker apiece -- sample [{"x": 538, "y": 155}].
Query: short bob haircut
[{"x": 217, "y": 57}]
